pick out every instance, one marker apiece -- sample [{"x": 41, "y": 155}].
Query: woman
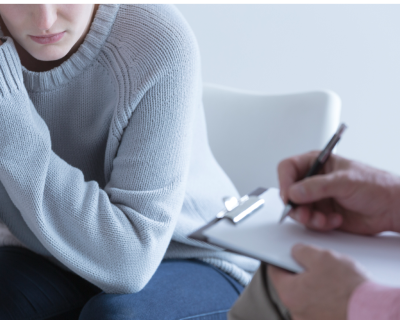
[{"x": 105, "y": 168}]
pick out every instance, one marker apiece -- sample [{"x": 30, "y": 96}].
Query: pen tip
[{"x": 285, "y": 213}]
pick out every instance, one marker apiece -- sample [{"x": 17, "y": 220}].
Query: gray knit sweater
[{"x": 105, "y": 166}]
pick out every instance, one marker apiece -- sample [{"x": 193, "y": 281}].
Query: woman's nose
[{"x": 45, "y": 16}]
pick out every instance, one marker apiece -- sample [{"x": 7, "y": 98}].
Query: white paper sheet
[{"x": 260, "y": 236}]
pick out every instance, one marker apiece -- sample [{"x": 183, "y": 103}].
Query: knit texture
[{"x": 105, "y": 166}]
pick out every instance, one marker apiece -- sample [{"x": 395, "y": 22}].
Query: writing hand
[{"x": 346, "y": 194}]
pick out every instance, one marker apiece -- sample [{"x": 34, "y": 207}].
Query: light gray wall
[{"x": 353, "y": 50}]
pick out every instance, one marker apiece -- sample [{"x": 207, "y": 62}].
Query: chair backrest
[{"x": 250, "y": 133}]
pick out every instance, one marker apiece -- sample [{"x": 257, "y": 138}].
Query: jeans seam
[{"x": 204, "y": 314}]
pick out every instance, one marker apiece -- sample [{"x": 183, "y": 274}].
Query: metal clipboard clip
[{"x": 238, "y": 209}]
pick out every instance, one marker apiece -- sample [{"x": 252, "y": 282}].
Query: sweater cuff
[
  {"x": 11, "y": 78},
  {"x": 371, "y": 301}
]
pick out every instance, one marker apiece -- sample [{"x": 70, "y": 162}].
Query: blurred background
[{"x": 353, "y": 50}]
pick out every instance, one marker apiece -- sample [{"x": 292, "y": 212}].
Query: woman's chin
[{"x": 48, "y": 53}]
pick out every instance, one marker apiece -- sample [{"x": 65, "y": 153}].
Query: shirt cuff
[{"x": 371, "y": 301}]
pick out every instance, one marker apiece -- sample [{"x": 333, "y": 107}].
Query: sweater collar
[{"x": 81, "y": 59}]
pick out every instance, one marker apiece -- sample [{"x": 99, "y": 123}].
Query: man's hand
[
  {"x": 346, "y": 195},
  {"x": 323, "y": 290}
]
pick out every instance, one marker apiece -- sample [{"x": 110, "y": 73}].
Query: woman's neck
[{"x": 33, "y": 64}]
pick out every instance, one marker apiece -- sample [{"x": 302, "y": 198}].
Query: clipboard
[
  {"x": 250, "y": 227},
  {"x": 235, "y": 214}
]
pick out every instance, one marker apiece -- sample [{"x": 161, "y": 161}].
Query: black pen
[{"x": 317, "y": 165}]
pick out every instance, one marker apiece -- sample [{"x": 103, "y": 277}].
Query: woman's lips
[{"x": 48, "y": 38}]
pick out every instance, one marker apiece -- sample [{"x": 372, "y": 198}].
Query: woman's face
[{"x": 47, "y": 31}]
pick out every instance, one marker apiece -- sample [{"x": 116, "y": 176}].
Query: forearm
[
  {"x": 100, "y": 236},
  {"x": 114, "y": 237}
]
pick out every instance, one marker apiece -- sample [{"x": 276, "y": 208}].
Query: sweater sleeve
[
  {"x": 114, "y": 237},
  {"x": 371, "y": 301}
]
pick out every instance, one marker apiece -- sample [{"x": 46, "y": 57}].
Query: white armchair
[{"x": 250, "y": 133}]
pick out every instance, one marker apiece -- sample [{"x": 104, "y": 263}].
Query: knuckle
[
  {"x": 348, "y": 181},
  {"x": 346, "y": 176},
  {"x": 340, "y": 175}
]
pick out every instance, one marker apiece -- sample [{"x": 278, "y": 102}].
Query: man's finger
[
  {"x": 305, "y": 255},
  {"x": 292, "y": 169},
  {"x": 318, "y": 187},
  {"x": 317, "y": 220}
]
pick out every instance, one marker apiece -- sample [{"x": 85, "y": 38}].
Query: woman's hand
[
  {"x": 323, "y": 290},
  {"x": 346, "y": 195}
]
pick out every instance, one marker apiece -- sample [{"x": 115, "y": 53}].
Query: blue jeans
[{"x": 32, "y": 288}]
